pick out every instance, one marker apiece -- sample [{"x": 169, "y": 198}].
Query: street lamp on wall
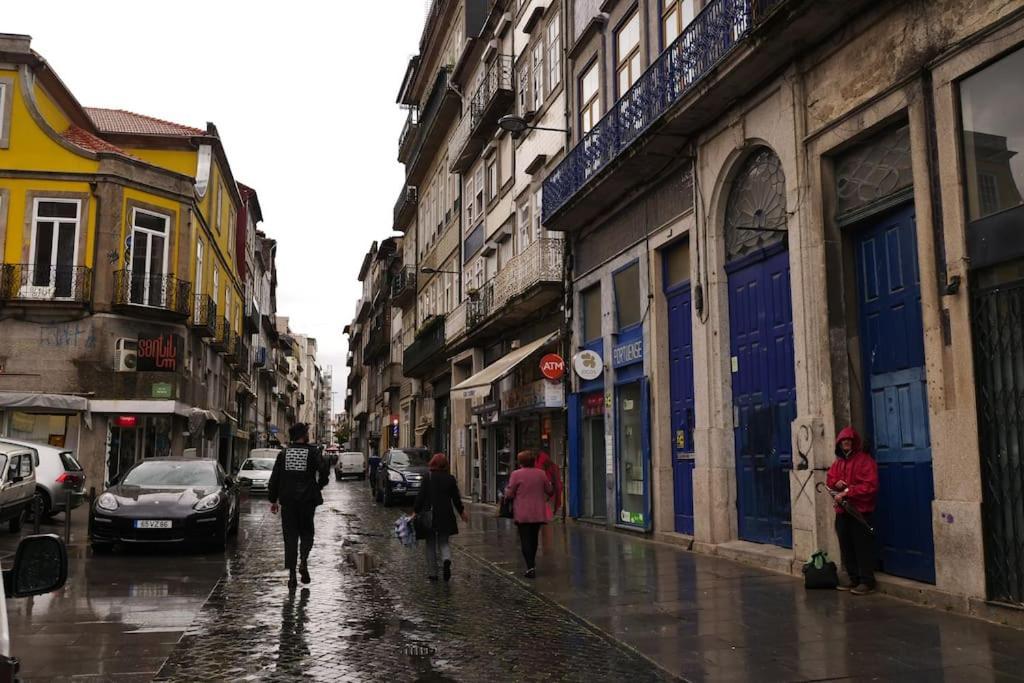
[
  {"x": 517, "y": 124},
  {"x": 435, "y": 271}
]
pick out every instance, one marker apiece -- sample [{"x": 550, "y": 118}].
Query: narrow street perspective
[{"x": 512, "y": 340}]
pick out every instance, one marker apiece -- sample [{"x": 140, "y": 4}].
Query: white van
[{"x": 350, "y": 464}]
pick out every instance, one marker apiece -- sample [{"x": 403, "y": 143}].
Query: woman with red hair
[
  {"x": 434, "y": 514},
  {"x": 550, "y": 469}
]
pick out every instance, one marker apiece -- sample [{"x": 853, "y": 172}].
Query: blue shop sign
[{"x": 628, "y": 353}]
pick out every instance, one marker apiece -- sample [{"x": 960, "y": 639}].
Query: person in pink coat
[{"x": 529, "y": 489}]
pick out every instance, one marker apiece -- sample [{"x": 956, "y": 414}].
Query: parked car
[
  {"x": 350, "y": 464},
  {"x": 40, "y": 566},
  {"x": 400, "y": 474},
  {"x": 167, "y": 500},
  {"x": 254, "y": 473},
  {"x": 56, "y": 469},
  {"x": 17, "y": 484}
]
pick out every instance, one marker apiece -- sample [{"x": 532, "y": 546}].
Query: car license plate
[{"x": 152, "y": 524}]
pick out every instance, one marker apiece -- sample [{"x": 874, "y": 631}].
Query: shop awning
[
  {"x": 22, "y": 400},
  {"x": 479, "y": 385}
]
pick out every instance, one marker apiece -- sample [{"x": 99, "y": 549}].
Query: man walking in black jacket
[{"x": 299, "y": 475}]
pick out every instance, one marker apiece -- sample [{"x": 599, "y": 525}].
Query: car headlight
[
  {"x": 208, "y": 503},
  {"x": 395, "y": 476},
  {"x": 107, "y": 501}
]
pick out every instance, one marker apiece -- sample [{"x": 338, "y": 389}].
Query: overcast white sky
[{"x": 303, "y": 95}]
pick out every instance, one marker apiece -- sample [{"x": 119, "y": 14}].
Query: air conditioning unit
[{"x": 126, "y": 358}]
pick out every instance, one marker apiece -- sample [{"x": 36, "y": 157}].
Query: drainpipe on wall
[{"x": 935, "y": 191}]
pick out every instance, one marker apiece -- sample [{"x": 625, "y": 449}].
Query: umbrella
[{"x": 847, "y": 508}]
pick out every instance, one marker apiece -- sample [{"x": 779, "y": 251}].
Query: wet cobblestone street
[{"x": 383, "y": 624}]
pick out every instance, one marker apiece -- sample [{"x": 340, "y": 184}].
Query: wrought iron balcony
[
  {"x": 221, "y": 335},
  {"x": 164, "y": 293},
  {"x": 529, "y": 281},
  {"x": 204, "y": 315},
  {"x": 426, "y": 347},
  {"x": 25, "y": 282},
  {"x": 492, "y": 98},
  {"x": 408, "y": 135},
  {"x": 441, "y": 108},
  {"x": 251, "y": 321},
  {"x": 259, "y": 359},
  {"x": 403, "y": 286},
  {"x": 378, "y": 337},
  {"x": 719, "y": 30}
]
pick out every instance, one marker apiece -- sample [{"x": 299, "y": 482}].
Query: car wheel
[
  {"x": 43, "y": 497},
  {"x": 15, "y": 522}
]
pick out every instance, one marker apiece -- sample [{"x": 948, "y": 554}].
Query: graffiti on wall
[{"x": 73, "y": 335}]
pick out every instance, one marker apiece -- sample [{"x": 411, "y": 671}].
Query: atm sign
[{"x": 552, "y": 366}]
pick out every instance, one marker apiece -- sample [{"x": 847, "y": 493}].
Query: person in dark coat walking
[
  {"x": 294, "y": 489},
  {"x": 854, "y": 475},
  {"x": 438, "y": 501}
]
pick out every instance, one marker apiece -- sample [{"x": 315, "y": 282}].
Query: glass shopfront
[
  {"x": 632, "y": 470},
  {"x": 593, "y": 472},
  {"x": 135, "y": 437}
]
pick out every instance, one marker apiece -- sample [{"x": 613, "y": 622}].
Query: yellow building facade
[{"x": 122, "y": 288}]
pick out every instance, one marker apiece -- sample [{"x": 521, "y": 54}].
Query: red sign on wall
[
  {"x": 125, "y": 421},
  {"x": 159, "y": 353},
  {"x": 552, "y": 366}
]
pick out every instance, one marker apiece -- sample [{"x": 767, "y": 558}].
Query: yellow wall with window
[{"x": 17, "y": 197}]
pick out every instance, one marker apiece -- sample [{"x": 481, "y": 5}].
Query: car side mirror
[{"x": 40, "y": 566}]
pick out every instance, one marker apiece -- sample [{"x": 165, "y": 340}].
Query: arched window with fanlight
[{"x": 755, "y": 216}]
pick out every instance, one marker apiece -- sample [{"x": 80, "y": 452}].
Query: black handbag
[
  {"x": 505, "y": 509},
  {"x": 820, "y": 572}
]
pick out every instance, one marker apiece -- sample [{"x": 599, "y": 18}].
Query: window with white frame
[
  {"x": 590, "y": 102},
  {"x": 216, "y": 286},
  {"x": 228, "y": 310},
  {"x": 524, "y": 88},
  {"x": 492, "y": 179},
  {"x": 470, "y": 214},
  {"x": 148, "y": 260},
  {"x": 537, "y": 69},
  {"x": 55, "y": 229},
  {"x": 449, "y": 286},
  {"x": 537, "y": 199},
  {"x": 554, "y": 52},
  {"x": 4, "y": 116},
  {"x": 198, "y": 287},
  {"x": 627, "y": 53},
  {"x": 478, "y": 187},
  {"x": 524, "y": 230}
]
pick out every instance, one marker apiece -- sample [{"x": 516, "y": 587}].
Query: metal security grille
[{"x": 998, "y": 322}]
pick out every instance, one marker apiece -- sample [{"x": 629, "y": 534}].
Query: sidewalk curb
[{"x": 615, "y": 642}]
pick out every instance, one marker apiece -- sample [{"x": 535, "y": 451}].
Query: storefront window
[
  {"x": 627, "y": 296},
  {"x": 48, "y": 429},
  {"x": 993, "y": 136},
  {"x": 631, "y": 456},
  {"x": 593, "y": 473}
]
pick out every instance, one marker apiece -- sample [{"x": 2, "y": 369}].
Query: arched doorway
[{"x": 761, "y": 347}]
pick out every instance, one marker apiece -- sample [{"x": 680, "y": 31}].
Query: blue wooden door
[
  {"x": 892, "y": 343},
  {"x": 764, "y": 393},
  {"x": 680, "y": 358}
]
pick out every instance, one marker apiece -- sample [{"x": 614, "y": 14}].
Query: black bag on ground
[
  {"x": 505, "y": 509},
  {"x": 820, "y": 572}
]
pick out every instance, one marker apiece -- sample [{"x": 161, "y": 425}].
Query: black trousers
[
  {"x": 296, "y": 526},
  {"x": 529, "y": 534},
  {"x": 857, "y": 546}
]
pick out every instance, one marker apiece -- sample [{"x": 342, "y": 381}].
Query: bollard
[
  {"x": 37, "y": 513},
  {"x": 69, "y": 486}
]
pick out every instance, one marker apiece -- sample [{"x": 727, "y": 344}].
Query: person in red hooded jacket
[
  {"x": 544, "y": 462},
  {"x": 854, "y": 477}
]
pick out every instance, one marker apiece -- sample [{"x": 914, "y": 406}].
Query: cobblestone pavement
[{"x": 358, "y": 623}]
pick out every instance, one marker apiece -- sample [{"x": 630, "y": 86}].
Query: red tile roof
[
  {"x": 130, "y": 123},
  {"x": 83, "y": 138}
]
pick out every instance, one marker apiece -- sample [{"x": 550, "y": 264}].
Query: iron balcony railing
[
  {"x": 162, "y": 292},
  {"x": 493, "y": 97},
  {"x": 204, "y": 314},
  {"x": 403, "y": 285},
  {"x": 221, "y": 335},
  {"x": 427, "y": 344},
  {"x": 408, "y": 134},
  {"x": 442, "y": 103},
  {"x": 540, "y": 263},
  {"x": 713, "y": 34},
  {"x": 43, "y": 282}
]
